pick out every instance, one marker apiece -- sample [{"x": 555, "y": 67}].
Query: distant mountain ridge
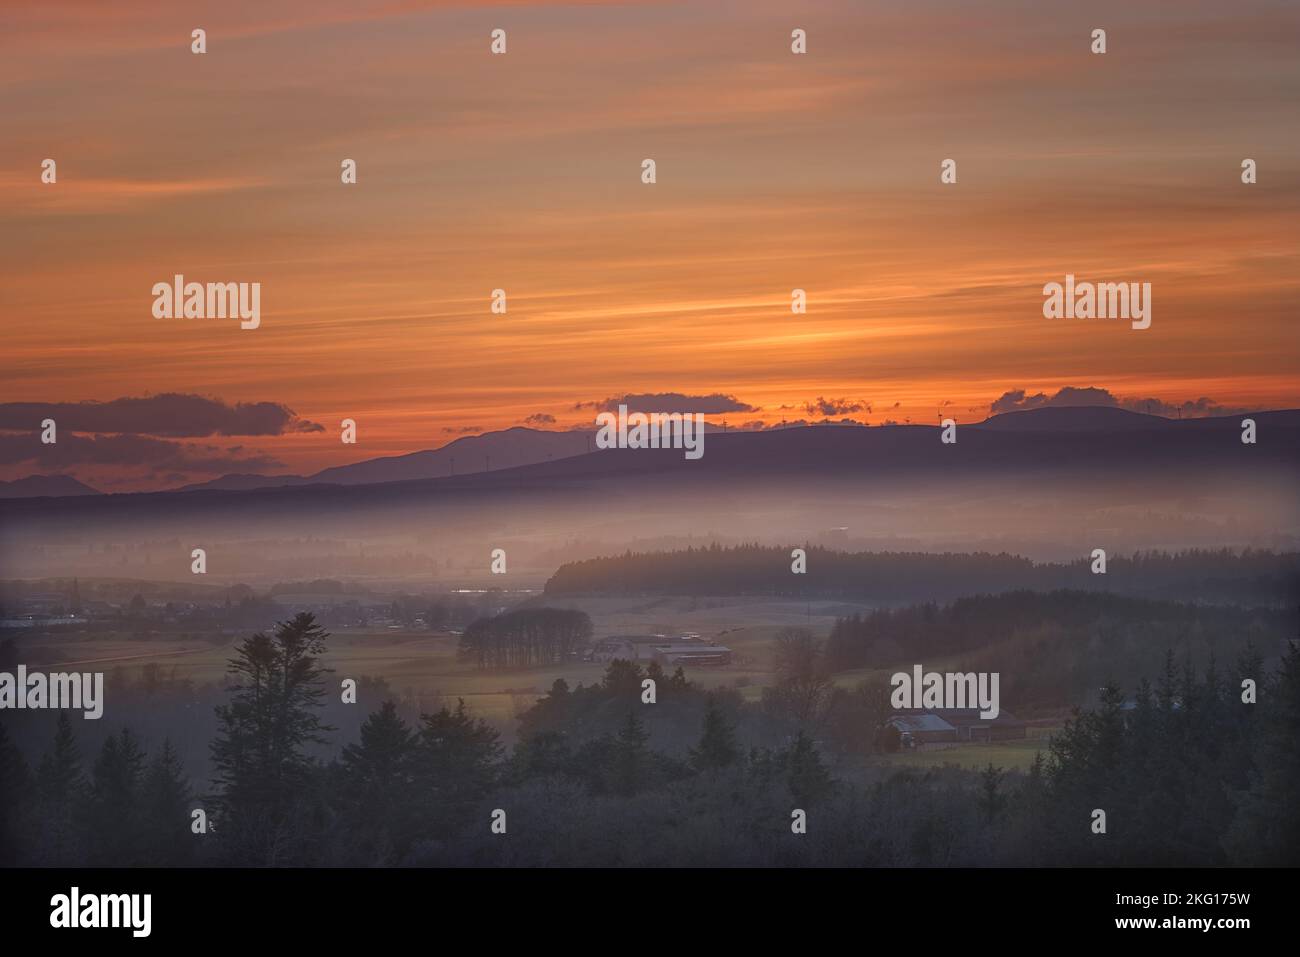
[
  {"x": 513, "y": 447},
  {"x": 45, "y": 486},
  {"x": 806, "y": 476},
  {"x": 522, "y": 454},
  {"x": 1096, "y": 418},
  {"x": 491, "y": 451}
]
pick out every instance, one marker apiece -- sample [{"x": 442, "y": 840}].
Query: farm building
[
  {"x": 969, "y": 726},
  {"x": 691, "y": 653},
  {"x": 627, "y": 647},
  {"x": 682, "y": 650},
  {"x": 917, "y": 729}
]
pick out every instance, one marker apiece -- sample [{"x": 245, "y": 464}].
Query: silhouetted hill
[
  {"x": 473, "y": 453},
  {"x": 45, "y": 486},
  {"x": 507, "y": 448},
  {"x": 242, "y": 481},
  {"x": 1076, "y": 419},
  {"x": 890, "y": 448},
  {"x": 877, "y": 467}
]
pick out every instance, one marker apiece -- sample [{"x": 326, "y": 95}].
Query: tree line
[
  {"x": 1252, "y": 576},
  {"x": 1056, "y": 647},
  {"x": 131, "y": 809},
  {"x": 526, "y": 637}
]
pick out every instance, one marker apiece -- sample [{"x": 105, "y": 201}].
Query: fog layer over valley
[{"x": 1046, "y": 495}]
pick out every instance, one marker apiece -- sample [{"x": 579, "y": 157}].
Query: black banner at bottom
[{"x": 225, "y": 907}]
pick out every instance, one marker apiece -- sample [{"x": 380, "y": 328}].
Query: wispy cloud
[{"x": 24, "y": 192}]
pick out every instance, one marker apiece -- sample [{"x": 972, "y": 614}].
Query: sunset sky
[{"x": 522, "y": 171}]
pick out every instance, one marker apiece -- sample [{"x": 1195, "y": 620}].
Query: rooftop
[{"x": 920, "y": 722}]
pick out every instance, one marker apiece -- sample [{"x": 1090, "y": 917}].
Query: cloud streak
[
  {"x": 171, "y": 414},
  {"x": 712, "y": 404},
  {"x": 129, "y": 451}
]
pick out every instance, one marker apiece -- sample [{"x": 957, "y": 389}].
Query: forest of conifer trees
[{"x": 1188, "y": 774}]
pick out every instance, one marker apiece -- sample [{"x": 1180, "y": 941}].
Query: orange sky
[{"x": 522, "y": 171}]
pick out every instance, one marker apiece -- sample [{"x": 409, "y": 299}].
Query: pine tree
[
  {"x": 60, "y": 788},
  {"x": 1266, "y": 829},
  {"x": 266, "y": 785},
  {"x": 655, "y": 672},
  {"x": 113, "y": 815},
  {"x": 456, "y": 764},
  {"x": 717, "y": 748},
  {"x": 377, "y": 788},
  {"x": 15, "y": 779},
  {"x": 991, "y": 799},
  {"x": 168, "y": 841},
  {"x": 809, "y": 779},
  {"x": 543, "y": 754},
  {"x": 630, "y": 757},
  {"x": 623, "y": 677}
]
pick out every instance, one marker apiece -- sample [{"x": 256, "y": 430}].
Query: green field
[
  {"x": 1002, "y": 754},
  {"x": 424, "y": 664}
]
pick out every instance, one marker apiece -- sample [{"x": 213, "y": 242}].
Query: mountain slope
[
  {"x": 490, "y": 451},
  {"x": 475, "y": 453},
  {"x": 45, "y": 486},
  {"x": 1076, "y": 419}
]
